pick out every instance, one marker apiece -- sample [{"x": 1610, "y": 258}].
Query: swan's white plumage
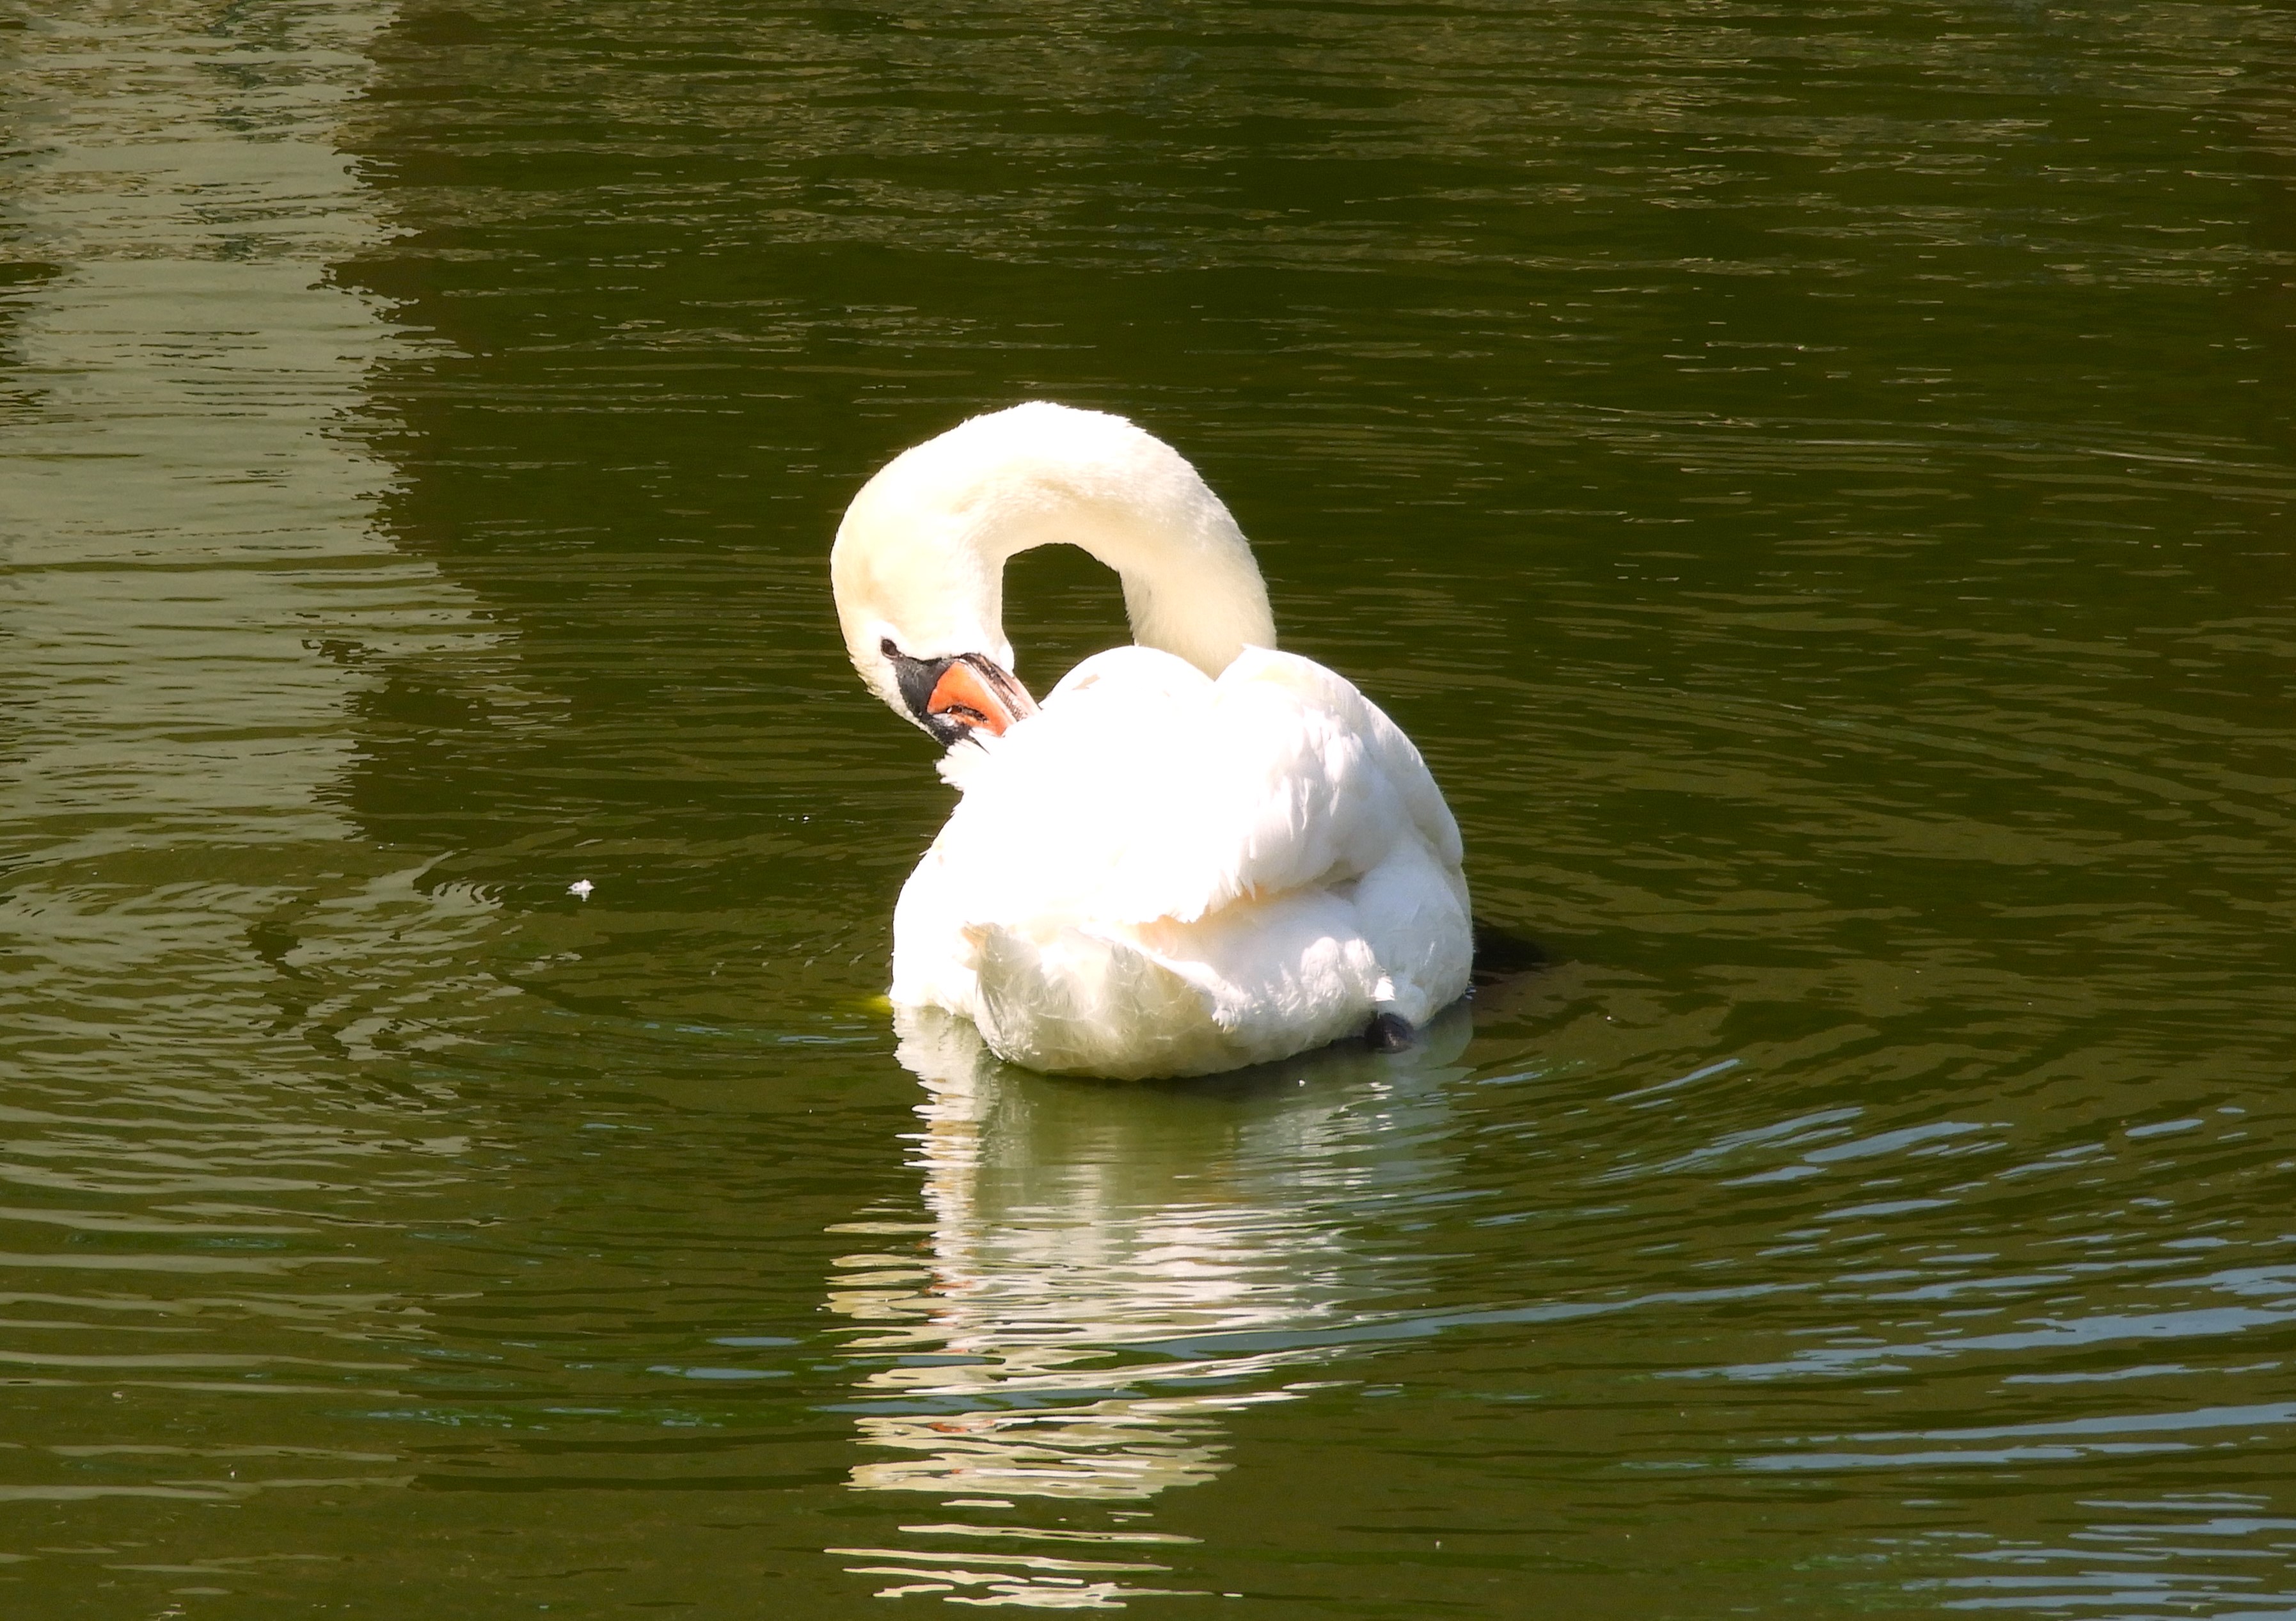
[
  {"x": 1163, "y": 874},
  {"x": 1160, "y": 873}
]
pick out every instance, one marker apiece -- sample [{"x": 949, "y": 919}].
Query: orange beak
[{"x": 974, "y": 692}]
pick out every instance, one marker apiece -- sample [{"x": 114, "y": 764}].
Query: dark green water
[{"x": 1817, "y": 483}]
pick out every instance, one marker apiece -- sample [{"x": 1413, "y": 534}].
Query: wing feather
[{"x": 1144, "y": 791}]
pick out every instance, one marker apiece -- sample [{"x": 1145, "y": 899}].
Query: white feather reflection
[{"x": 1108, "y": 1272}]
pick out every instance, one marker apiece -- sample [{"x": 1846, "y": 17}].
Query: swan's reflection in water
[{"x": 1107, "y": 1273}]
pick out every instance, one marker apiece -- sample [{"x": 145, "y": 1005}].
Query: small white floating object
[{"x": 580, "y": 888}]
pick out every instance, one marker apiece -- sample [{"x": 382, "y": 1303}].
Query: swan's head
[
  {"x": 922, "y": 602},
  {"x": 955, "y": 697},
  {"x": 919, "y": 563}
]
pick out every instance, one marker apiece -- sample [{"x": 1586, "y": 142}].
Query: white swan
[{"x": 1199, "y": 853}]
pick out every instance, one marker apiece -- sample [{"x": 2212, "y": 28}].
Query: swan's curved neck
[
  {"x": 1191, "y": 585},
  {"x": 922, "y": 548}
]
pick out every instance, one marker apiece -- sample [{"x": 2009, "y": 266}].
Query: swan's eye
[{"x": 887, "y": 648}]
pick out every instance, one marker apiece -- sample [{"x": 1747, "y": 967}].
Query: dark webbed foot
[{"x": 1389, "y": 1033}]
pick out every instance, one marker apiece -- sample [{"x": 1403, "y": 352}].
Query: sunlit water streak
[{"x": 194, "y": 585}]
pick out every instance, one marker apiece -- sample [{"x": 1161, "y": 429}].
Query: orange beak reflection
[{"x": 974, "y": 692}]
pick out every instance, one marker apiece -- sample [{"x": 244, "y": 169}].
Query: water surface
[{"x": 1816, "y": 485}]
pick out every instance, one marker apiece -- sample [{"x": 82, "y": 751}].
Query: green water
[{"x": 1817, "y": 483}]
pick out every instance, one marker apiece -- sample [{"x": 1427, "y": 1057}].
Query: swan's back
[{"x": 1161, "y": 873}]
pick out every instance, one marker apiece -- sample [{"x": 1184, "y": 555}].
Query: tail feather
[{"x": 1075, "y": 1002}]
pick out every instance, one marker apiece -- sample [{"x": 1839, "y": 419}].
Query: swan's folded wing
[
  {"x": 1380, "y": 758},
  {"x": 1140, "y": 793}
]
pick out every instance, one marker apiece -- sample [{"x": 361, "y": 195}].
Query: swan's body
[{"x": 1200, "y": 853}]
